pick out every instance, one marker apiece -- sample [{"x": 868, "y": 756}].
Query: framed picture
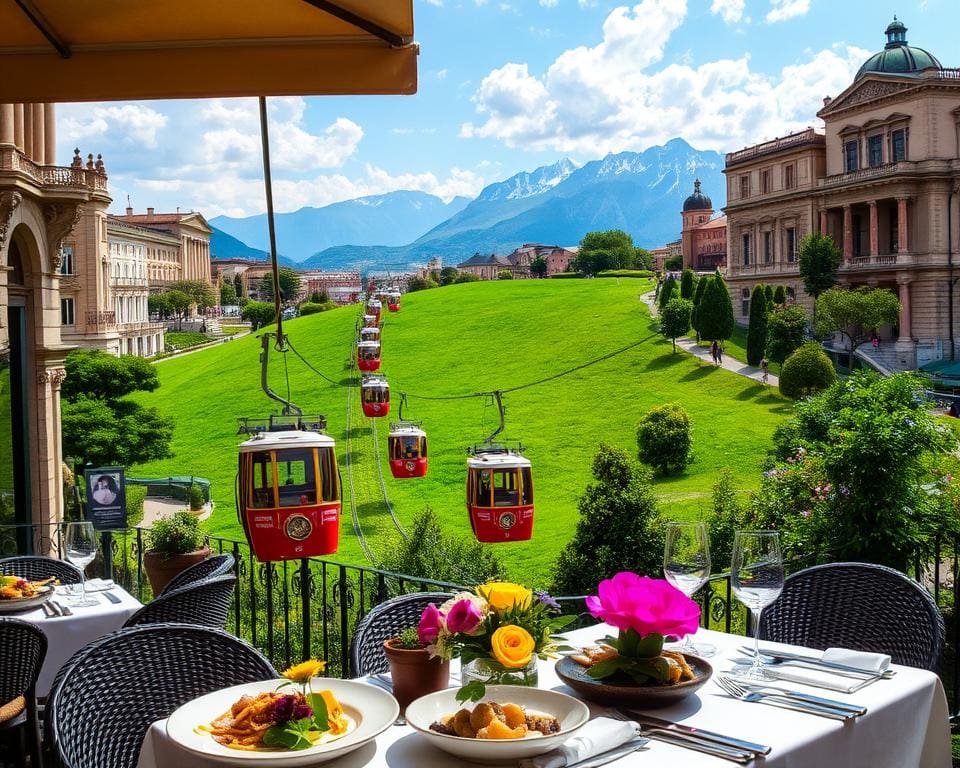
[{"x": 106, "y": 497}]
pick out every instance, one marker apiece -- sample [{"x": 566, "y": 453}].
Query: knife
[
  {"x": 689, "y": 730},
  {"x": 48, "y": 610},
  {"x": 698, "y": 745},
  {"x": 112, "y": 598},
  {"x": 787, "y": 656},
  {"x": 64, "y": 611}
]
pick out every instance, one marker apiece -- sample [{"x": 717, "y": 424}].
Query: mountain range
[{"x": 640, "y": 193}]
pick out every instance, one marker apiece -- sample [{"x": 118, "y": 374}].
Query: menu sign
[{"x": 106, "y": 498}]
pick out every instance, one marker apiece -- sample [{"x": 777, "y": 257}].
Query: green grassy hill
[{"x": 470, "y": 338}]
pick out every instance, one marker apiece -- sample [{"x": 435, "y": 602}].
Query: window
[
  {"x": 851, "y": 156},
  {"x": 791, "y": 244},
  {"x": 857, "y": 234},
  {"x": 262, "y": 481},
  {"x": 295, "y": 477},
  {"x": 898, "y": 145},
  {"x": 66, "y": 312},
  {"x": 765, "y": 182},
  {"x": 745, "y": 302},
  {"x": 875, "y": 150},
  {"x": 789, "y": 176},
  {"x": 66, "y": 266},
  {"x": 745, "y": 186},
  {"x": 745, "y": 244},
  {"x": 768, "y": 247}
]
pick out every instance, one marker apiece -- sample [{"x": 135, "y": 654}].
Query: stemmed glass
[
  {"x": 756, "y": 575},
  {"x": 81, "y": 545},
  {"x": 686, "y": 565}
]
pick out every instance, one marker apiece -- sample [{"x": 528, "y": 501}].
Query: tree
[
  {"x": 618, "y": 527},
  {"x": 673, "y": 264},
  {"x": 179, "y": 303},
  {"x": 757, "y": 330},
  {"x": 228, "y": 294},
  {"x": 200, "y": 293},
  {"x": 319, "y": 297},
  {"x": 688, "y": 284},
  {"x": 289, "y": 285},
  {"x": 644, "y": 259},
  {"x": 448, "y": 275},
  {"x": 786, "y": 331},
  {"x": 663, "y": 437},
  {"x": 98, "y": 374},
  {"x": 538, "y": 266},
  {"x": 675, "y": 319},
  {"x": 158, "y": 304},
  {"x": 697, "y": 298},
  {"x": 238, "y": 285},
  {"x": 818, "y": 261},
  {"x": 768, "y": 293},
  {"x": 612, "y": 249},
  {"x": 416, "y": 283},
  {"x": 259, "y": 313},
  {"x": 466, "y": 277},
  {"x": 504, "y": 274},
  {"x": 780, "y": 296},
  {"x": 715, "y": 311},
  {"x": 856, "y": 314},
  {"x": 666, "y": 292},
  {"x": 806, "y": 371}
]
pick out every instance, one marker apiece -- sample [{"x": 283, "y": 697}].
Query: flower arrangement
[
  {"x": 504, "y": 624},
  {"x": 645, "y": 611},
  {"x": 300, "y": 718}
]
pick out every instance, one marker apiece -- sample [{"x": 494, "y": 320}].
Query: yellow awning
[{"x": 104, "y": 50}]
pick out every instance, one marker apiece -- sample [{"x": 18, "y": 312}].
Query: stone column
[
  {"x": 39, "y": 138},
  {"x": 874, "y": 234},
  {"x": 847, "y": 233},
  {"x": 6, "y": 124},
  {"x": 28, "y": 130},
  {"x": 823, "y": 221},
  {"x": 18, "y": 126},
  {"x": 50, "y": 133},
  {"x": 903, "y": 281},
  {"x": 903, "y": 242}
]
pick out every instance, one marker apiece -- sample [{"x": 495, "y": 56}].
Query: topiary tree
[
  {"x": 757, "y": 330},
  {"x": 688, "y": 284},
  {"x": 786, "y": 331},
  {"x": 195, "y": 497},
  {"x": 238, "y": 285},
  {"x": 768, "y": 294},
  {"x": 675, "y": 319},
  {"x": 806, "y": 371},
  {"x": 618, "y": 528},
  {"x": 666, "y": 292},
  {"x": 697, "y": 298},
  {"x": 779, "y": 296},
  {"x": 664, "y": 438},
  {"x": 715, "y": 311}
]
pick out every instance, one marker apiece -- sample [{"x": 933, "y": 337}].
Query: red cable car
[
  {"x": 499, "y": 494},
  {"x": 288, "y": 489},
  {"x": 371, "y": 321},
  {"x": 368, "y": 355},
  {"x": 407, "y": 448},
  {"x": 393, "y": 302},
  {"x": 375, "y": 396},
  {"x": 369, "y": 334},
  {"x": 373, "y": 307}
]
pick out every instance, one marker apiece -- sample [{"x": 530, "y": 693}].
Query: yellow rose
[
  {"x": 512, "y": 646},
  {"x": 502, "y": 595}
]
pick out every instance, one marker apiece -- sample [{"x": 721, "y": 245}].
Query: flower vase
[{"x": 492, "y": 672}]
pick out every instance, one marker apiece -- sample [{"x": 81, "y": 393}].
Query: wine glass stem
[{"x": 757, "y": 664}]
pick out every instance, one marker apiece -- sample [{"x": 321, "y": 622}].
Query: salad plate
[{"x": 11, "y": 604}]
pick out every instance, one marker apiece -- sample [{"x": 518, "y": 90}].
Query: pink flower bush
[
  {"x": 431, "y": 622},
  {"x": 464, "y": 616},
  {"x": 647, "y": 606}
]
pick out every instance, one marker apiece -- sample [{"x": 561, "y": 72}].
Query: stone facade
[
  {"x": 192, "y": 261},
  {"x": 703, "y": 238},
  {"x": 488, "y": 266}
]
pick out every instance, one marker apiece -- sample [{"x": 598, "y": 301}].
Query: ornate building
[
  {"x": 191, "y": 262},
  {"x": 703, "y": 239},
  {"x": 882, "y": 180}
]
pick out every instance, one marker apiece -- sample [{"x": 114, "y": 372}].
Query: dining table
[
  {"x": 68, "y": 634},
  {"x": 906, "y": 724}
]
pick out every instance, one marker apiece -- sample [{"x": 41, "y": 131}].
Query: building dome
[
  {"x": 897, "y": 57},
  {"x": 697, "y": 201}
]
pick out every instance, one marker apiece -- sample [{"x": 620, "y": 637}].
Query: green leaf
[
  {"x": 473, "y": 691},
  {"x": 321, "y": 718},
  {"x": 607, "y": 667},
  {"x": 292, "y": 735}
]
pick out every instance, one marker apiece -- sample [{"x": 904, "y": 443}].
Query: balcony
[
  {"x": 102, "y": 320},
  {"x": 128, "y": 282},
  {"x": 881, "y": 260},
  {"x": 809, "y": 136},
  {"x": 51, "y": 177}
]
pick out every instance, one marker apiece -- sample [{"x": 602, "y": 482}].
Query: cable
[{"x": 309, "y": 365}]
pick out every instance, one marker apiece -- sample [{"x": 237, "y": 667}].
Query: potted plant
[
  {"x": 173, "y": 544},
  {"x": 413, "y": 670}
]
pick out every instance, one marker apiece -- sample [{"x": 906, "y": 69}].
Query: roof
[
  {"x": 497, "y": 461},
  {"x": 697, "y": 201},
  {"x": 716, "y": 223},
  {"x": 483, "y": 260},
  {"x": 897, "y": 57},
  {"x": 188, "y": 219},
  {"x": 294, "y": 439}
]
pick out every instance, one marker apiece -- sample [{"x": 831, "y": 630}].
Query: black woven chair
[
  {"x": 218, "y": 565},
  {"x": 35, "y": 567},
  {"x": 105, "y": 697},
  {"x": 859, "y": 606},
  {"x": 24, "y": 649},
  {"x": 205, "y": 603},
  {"x": 383, "y": 622}
]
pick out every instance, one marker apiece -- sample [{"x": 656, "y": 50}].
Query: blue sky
[{"x": 505, "y": 87}]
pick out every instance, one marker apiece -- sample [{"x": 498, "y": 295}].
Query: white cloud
[
  {"x": 440, "y": 74},
  {"x": 128, "y": 123},
  {"x": 549, "y": 3},
  {"x": 782, "y": 10},
  {"x": 730, "y": 10}
]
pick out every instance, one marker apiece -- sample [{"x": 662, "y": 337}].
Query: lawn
[{"x": 463, "y": 340}]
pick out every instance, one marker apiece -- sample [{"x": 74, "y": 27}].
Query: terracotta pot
[
  {"x": 415, "y": 673},
  {"x": 160, "y": 570}
]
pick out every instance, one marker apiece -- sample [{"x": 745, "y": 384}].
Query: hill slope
[{"x": 473, "y": 338}]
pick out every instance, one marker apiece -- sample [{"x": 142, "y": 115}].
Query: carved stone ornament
[
  {"x": 8, "y": 204},
  {"x": 869, "y": 91},
  {"x": 61, "y": 218},
  {"x": 55, "y": 376}
]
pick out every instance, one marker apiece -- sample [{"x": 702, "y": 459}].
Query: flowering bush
[
  {"x": 645, "y": 611},
  {"x": 501, "y": 621}
]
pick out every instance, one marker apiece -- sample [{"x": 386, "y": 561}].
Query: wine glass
[
  {"x": 686, "y": 565},
  {"x": 81, "y": 545},
  {"x": 756, "y": 575}
]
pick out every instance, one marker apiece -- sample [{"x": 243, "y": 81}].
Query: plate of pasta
[
  {"x": 18, "y": 594},
  {"x": 269, "y": 723}
]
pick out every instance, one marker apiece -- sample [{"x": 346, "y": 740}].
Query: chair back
[
  {"x": 105, "y": 697},
  {"x": 218, "y": 565},
  {"x": 859, "y": 606},
  {"x": 205, "y": 603},
  {"x": 383, "y": 622},
  {"x": 25, "y": 647},
  {"x": 36, "y": 567}
]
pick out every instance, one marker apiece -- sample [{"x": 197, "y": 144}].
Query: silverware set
[
  {"x": 795, "y": 700},
  {"x": 52, "y": 609},
  {"x": 843, "y": 670}
]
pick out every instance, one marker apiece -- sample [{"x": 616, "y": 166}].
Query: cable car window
[
  {"x": 375, "y": 395},
  {"x": 329, "y": 476},
  {"x": 526, "y": 487},
  {"x": 261, "y": 480},
  {"x": 505, "y": 491},
  {"x": 295, "y": 475},
  {"x": 483, "y": 488},
  {"x": 410, "y": 447},
  {"x": 423, "y": 447}
]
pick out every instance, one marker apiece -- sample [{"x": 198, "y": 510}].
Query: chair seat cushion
[{"x": 12, "y": 708}]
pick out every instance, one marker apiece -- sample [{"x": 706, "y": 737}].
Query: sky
[{"x": 506, "y": 87}]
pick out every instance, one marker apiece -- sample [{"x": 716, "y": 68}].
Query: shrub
[
  {"x": 565, "y": 275},
  {"x": 175, "y": 535},
  {"x": 136, "y": 495},
  {"x": 715, "y": 311},
  {"x": 757, "y": 331},
  {"x": 258, "y": 313},
  {"x": 779, "y": 296},
  {"x": 663, "y": 437},
  {"x": 786, "y": 331},
  {"x": 311, "y": 308},
  {"x": 688, "y": 284},
  {"x": 675, "y": 319},
  {"x": 504, "y": 274},
  {"x": 728, "y": 517},
  {"x": 806, "y": 371},
  {"x": 195, "y": 497},
  {"x": 465, "y": 277},
  {"x": 420, "y": 284},
  {"x": 667, "y": 291},
  {"x": 622, "y": 273}
]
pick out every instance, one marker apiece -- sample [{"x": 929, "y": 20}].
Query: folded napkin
[
  {"x": 598, "y": 735},
  {"x": 870, "y": 662}
]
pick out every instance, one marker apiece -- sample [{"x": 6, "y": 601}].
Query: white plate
[
  {"x": 373, "y": 710},
  {"x": 25, "y": 603},
  {"x": 572, "y": 714}
]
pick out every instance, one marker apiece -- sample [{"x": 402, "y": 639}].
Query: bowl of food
[
  {"x": 508, "y": 724},
  {"x": 689, "y": 674},
  {"x": 18, "y": 594}
]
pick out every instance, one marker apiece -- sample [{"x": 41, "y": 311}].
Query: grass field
[{"x": 473, "y": 338}]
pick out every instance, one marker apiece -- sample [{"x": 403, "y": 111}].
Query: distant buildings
[
  {"x": 341, "y": 287},
  {"x": 703, "y": 239},
  {"x": 489, "y": 266}
]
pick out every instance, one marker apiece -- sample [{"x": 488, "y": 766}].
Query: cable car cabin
[
  {"x": 500, "y": 495},
  {"x": 375, "y": 396},
  {"x": 369, "y": 334},
  {"x": 373, "y": 307},
  {"x": 288, "y": 495},
  {"x": 368, "y": 355},
  {"x": 371, "y": 321},
  {"x": 393, "y": 302},
  {"x": 407, "y": 448}
]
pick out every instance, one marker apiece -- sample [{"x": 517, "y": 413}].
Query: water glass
[
  {"x": 80, "y": 542},
  {"x": 686, "y": 565},
  {"x": 756, "y": 575}
]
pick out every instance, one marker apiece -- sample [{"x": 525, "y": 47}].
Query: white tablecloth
[
  {"x": 906, "y": 726},
  {"x": 68, "y": 634}
]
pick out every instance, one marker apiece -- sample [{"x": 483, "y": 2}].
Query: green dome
[
  {"x": 697, "y": 201},
  {"x": 897, "y": 57}
]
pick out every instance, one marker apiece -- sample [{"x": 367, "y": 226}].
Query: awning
[
  {"x": 107, "y": 50},
  {"x": 942, "y": 368}
]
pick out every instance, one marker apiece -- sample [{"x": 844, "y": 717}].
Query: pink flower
[
  {"x": 805, "y": 513},
  {"x": 431, "y": 622},
  {"x": 648, "y": 606},
  {"x": 464, "y": 616}
]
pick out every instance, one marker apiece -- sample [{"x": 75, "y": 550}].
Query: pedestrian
[
  {"x": 875, "y": 341},
  {"x": 764, "y": 371},
  {"x": 719, "y": 354},
  {"x": 714, "y": 351}
]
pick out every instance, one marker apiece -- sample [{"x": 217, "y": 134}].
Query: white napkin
[
  {"x": 598, "y": 735},
  {"x": 871, "y": 662}
]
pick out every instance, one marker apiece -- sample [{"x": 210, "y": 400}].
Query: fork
[
  {"x": 689, "y": 741},
  {"x": 780, "y": 700},
  {"x": 771, "y": 690}
]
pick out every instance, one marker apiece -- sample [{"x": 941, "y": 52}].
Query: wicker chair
[
  {"x": 34, "y": 567},
  {"x": 105, "y": 697},
  {"x": 383, "y": 622},
  {"x": 205, "y": 603},
  {"x": 218, "y": 565},
  {"x": 26, "y": 647},
  {"x": 859, "y": 606}
]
